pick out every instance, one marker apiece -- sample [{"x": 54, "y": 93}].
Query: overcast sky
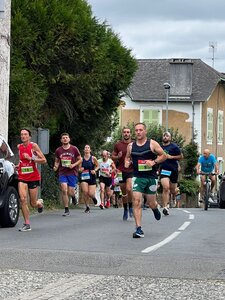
[{"x": 168, "y": 28}]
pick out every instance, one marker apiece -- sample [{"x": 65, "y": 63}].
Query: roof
[{"x": 151, "y": 74}]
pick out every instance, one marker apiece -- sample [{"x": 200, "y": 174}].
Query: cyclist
[{"x": 207, "y": 163}]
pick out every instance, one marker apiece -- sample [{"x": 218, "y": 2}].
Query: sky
[{"x": 168, "y": 28}]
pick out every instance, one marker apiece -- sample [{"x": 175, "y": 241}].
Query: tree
[{"x": 68, "y": 70}]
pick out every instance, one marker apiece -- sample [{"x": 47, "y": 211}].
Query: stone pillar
[{"x": 5, "y": 21}]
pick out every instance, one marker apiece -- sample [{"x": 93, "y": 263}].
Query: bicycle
[{"x": 207, "y": 188}]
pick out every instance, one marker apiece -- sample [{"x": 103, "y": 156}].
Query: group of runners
[{"x": 136, "y": 165}]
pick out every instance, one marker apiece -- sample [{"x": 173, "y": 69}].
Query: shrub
[
  {"x": 50, "y": 187},
  {"x": 189, "y": 187},
  {"x": 190, "y": 160}
]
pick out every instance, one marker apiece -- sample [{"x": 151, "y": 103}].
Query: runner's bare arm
[
  {"x": 56, "y": 164},
  {"x": 127, "y": 160},
  {"x": 39, "y": 156},
  {"x": 96, "y": 164},
  {"x": 77, "y": 163},
  {"x": 113, "y": 166},
  {"x": 158, "y": 150},
  {"x": 176, "y": 157}
]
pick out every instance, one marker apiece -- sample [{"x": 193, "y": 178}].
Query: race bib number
[
  {"x": 165, "y": 172},
  {"x": 66, "y": 162},
  {"x": 27, "y": 170},
  {"x": 85, "y": 175},
  {"x": 119, "y": 176},
  {"x": 142, "y": 167}
]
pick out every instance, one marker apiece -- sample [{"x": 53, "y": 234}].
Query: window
[
  {"x": 220, "y": 127},
  {"x": 209, "y": 125},
  {"x": 150, "y": 116}
]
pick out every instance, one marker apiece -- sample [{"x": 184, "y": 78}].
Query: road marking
[
  {"x": 191, "y": 217},
  {"x": 184, "y": 226},
  {"x": 186, "y": 211},
  {"x": 162, "y": 243},
  {"x": 170, "y": 237}
]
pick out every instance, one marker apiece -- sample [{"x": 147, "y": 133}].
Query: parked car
[
  {"x": 221, "y": 191},
  {"x": 9, "y": 198}
]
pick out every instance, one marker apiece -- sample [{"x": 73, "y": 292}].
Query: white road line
[
  {"x": 170, "y": 237},
  {"x": 184, "y": 226},
  {"x": 162, "y": 243},
  {"x": 186, "y": 211}
]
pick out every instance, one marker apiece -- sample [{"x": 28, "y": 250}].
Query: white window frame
[
  {"x": 209, "y": 125},
  {"x": 159, "y": 109},
  {"x": 220, "y": 128}
]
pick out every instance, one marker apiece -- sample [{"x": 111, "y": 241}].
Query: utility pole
[{"x": 5, "y": 21}]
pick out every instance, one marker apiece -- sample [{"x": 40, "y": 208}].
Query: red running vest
[{"x": 27, "y": 170}]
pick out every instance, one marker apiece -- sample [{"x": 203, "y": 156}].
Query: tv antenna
[{"x": 212, "y": 48}]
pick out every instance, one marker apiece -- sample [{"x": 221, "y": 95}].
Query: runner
[
  {"x": 88, "y": 170},
  {"x": 67, "y": 159},
  {"x": 28, "y": 176},
  {"x": 169, "y": 171},
  {"x": 145, "y": 154},
  {"x": 107, "y": 167},
  {"x": 124, "y": 174}
]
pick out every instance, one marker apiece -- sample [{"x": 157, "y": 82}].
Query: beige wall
[
  {"x": 130, "y": 116},
  {"x": 178, "y": 120},
  {"x": 216, "y": 102}
]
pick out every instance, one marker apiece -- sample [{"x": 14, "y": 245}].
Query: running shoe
[
  {"x": 165, "y": 211},
  {"x": 74, "y": 200},
  {"x": 66, "y": 214},
  {"x": 157, "y": 213},
  {"x": 40, "y": 209},
  {"x": 138, "y": 233},
  {"x": 107, "y": 204},
  {"x": 131, "y": 212},
  {"x": 101, "y": 206},
  {"x": 125, "y": 215},
  {"x": 25, "y": 227},
  {"x": 87, "y": 210},
  {"x": 95, "y": 201}
]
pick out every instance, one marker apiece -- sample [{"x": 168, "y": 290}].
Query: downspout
[{"x": 193, "y": 119}]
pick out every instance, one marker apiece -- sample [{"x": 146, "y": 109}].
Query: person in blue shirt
[
  {"x": 169, "y": 170},
  {"x": 207, "y": 163}
]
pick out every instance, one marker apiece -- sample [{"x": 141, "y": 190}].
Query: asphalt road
[{"x": 93, "y": 256}]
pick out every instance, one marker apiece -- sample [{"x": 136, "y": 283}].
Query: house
[{"x": 195, "y": 102}]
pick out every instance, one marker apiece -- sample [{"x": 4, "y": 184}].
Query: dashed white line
[
  {"x": 170, "y": 237},
  {"x": 184, "y": 226},
  {"x": 162, "y": 243}
]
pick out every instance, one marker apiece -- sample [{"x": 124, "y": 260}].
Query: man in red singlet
[
  {"x": 28, "y": 175},
  {"x": 124, "y": 175}
]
